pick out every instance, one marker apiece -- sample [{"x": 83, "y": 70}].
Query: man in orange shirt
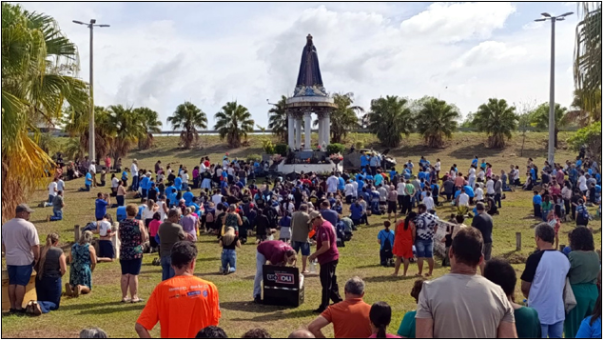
[
  {"x": 351, "y": 317},
  {"x": 183, "y": 304}
]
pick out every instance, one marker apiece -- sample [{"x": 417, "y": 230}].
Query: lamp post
[
  {"x": 551, "y": 114},
  {"x": 91, "y": 133}
]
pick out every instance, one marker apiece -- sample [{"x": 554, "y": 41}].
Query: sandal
[
  {"x": 126, "y": 300},
  {"x": 137, "y": 300}
]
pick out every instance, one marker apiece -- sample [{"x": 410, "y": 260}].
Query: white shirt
[
  {"x": 332, "y": 183},
  {"x": 438, "y": 166},
  {"x": 225, "y": 163},
  {"x": 478, "y": 194},
  {"x": 202, "y": 168},
  {"x": 230, "y": 171},
  {"x": 18, "y": 236},
  {"x": 547, "y": 286},
  {"x": 134, "y": 169},
  {"x": 481, "y": 174},
  {"x": 52, "y": 188},
  {"x": 217, "y": 199},
  {"x": 161, "y": 205},
  {"x": 115, "y": 182},
  {"x": 428, "y": 201},
  {"x": 515, "y": 174},
  {"x": 104, "y": 228},
  {"x": 463, "y": 199},
  {"x": 490, "y": 187},
  {"x": 453, "y": 174},
  {"x": 582, "y": 183},
  {"x": 350, "y": 190},
  {"x": 185, "y": 177},
  {"x": 356, "y": 187},
  {"x": 401, "y": 189},
  {"x": 60, "y": 185},
  {"x": 92, "y": 168},
  {"x": 147, "y": 213}
]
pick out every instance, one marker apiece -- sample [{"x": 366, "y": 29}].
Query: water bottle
[{"x": 313, "y": 267}]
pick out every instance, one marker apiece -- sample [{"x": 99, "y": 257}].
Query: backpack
[
  {"x": 583, "y": 216},
  {"x": 210, "y": 217}
]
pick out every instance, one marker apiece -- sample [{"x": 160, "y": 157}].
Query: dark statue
[{"x": 309, "y": 81}]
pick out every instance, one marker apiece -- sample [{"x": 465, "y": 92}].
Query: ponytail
[{"x": 51, "y": 239}]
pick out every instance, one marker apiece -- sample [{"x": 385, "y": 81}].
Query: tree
[
  {"x": 76, "y": 124},
  {"x": 582, "y": 111},
  {"x": 278, "y": 119},
  {"x": 436, "y": 121},
  {"x": 591, "y": 137},
  {"x": 588, "y": 56},
  {"x": 540, "y": 118},
  {"x": 38, "y": 62},
  {"x": 498, "y": 120},
  {"x": 468, "y": 122},
  {"x": 389, "y": 118},
  {"x": 151, "y": 125},
  {"x": 129, "y": 128},
  {"x": 188, "y": 118},
  {"x": 344, "y": 118},
  {"x": 233, "y": 122}
]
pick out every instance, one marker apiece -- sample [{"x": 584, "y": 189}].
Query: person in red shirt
[
  {"x": 183, "y": 304},
  {"x": 327, "y": 256},
  {"x": 278, "y": 253}
]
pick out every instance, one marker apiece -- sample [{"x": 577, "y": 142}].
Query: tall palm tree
[
  {"x": 588, "y": 55},
  {"x": 344, "y": 118},
  {"x": 498, "y": 120},
  {"x": 76, "y": 125},
  {"x": 234, "y": 121},
  {"x": 129, "y": 129},
  {"x": 540, "y": 118},
  {"x": 38, "y": 64},
  {"x": 188, "y": 118},
  {"x": 582, "y": 111},
  {"x": 389, "y": 118},
  {"x": 436, "y": 121},
  {"x": 151, "y": 125},
  {"x": 278, "y": 119}
]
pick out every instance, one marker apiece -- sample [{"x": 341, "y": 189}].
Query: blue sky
[{"x": 162, "y": 54}]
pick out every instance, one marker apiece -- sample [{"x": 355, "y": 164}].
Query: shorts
[
  {"x": 304, "y": 247},
  {"x": 487, "y": 251},
  {"x": 424, "y": 248},
  {"x": 392, "y": 208},
  {"x": 19, "y": 275},
  {"x": 106, "y": 249},
  {"x": 132, "y": 267}
]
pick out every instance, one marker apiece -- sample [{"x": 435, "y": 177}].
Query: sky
[{"x": 162, "y": 54}]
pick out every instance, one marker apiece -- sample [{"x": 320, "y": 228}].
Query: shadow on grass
[
  {"x": 468, "y": 152},
  {"x": 126, "y": 307},
  {"x": 388, "y": 278},
  {"x": 90, "y": 305},
  {"x": 276, "y": 312},
  {"x": 209, "y": 259}
]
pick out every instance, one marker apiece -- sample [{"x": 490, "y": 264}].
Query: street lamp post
[
  {"x": 91, "y": 133},
  {"x": 551, "y": 113}
]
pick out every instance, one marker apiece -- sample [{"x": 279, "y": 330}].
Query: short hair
[
  {"x": 467, "y": 246},
  {"x": 355, "y": 286},
  {"x": 459, "y": 219},
  {"x": 301, "y": 334},
  {"x": 132, "y": 210},
  {"x": 174, "y": 213},
  {"x": 325, "y": 204},
  {"x": 303, "y": 207},
  {"x": 416, "y": 289},
  {"x": 581, "y": 239},
  {"x": 211, "y": 332},
  {"x": 93, "y": 333},
  {"x": 422, "y": 207},
  {"x": 99, "y": 195},
  {"x": 480, "y": 206},
  {"x": 500, "y": 272},
  {"x": 257, "y": 333},
  {"x": 545, "y": 232},
  {"x": 182, "y": 254}
]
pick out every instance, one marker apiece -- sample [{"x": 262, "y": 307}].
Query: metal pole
[
  {"x": 91, "y": 140},
  {"x": 551, "y": 119}
]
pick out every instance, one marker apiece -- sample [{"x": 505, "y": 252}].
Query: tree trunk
[{"x": 523, "y": 144}]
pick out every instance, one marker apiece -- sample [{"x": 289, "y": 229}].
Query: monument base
[{"x": 285, "y": 169}]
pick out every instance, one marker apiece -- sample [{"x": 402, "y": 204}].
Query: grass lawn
[{"x": 102, "y": 308}]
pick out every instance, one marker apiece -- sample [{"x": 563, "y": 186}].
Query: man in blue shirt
[
  {"x": 392, "y": 174},
  {"x": 178, "y": 183},
  {"x": 144, "y": 184},
  {"x": 101, "y": 206},
  {"x": 188, "y": 197},
  {"x": 409, "y": 165},
  {"x": 421, "y": 175},
  {"x": 87, "y": 182},
  {"x": 357, "y": 212},
  {"x": 364, "y": 161},
  {"x": 374, "y": 163},
  {"x": 475, "y": 161},
  {"x": 435, "y": 192},
  {"x": 329, "y": 214},
  {"x": 341, "y": 183},
  {"x": 378, "y": 179},
  {"x": 469, "y": 191},
  {"x": 171, "y": 195},
  {"x": 537, "y": 200}
]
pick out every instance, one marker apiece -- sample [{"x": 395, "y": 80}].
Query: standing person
[
  {"x": 386, "y": 239},
  {"x": 426, "y": 227},
  {"x": 543, "y": 281},
  {"x": 277, "y": 253},
  {"x": 583, "y": 274},
  {"x": 301, "y": 226},
  {"x": 83, "y": 260},
  {"x": 392, "y": 202},
  {"x": 498, "y": 191},
  {"x": 170, "y": 232},
  {"x": 484, "y": 223},
  {"x": 134, "y": 170},
  {"x": 121, "y": 193},
  {"x": 51, "y": 268},
  {"x": 407, "y": 328},
  {"x": 229, "y": 241},
  {"x": 481, "y": 307},
  {"x": 184, "y": 304},
  {"x": 405, "y": 235},
  {"x": 21, "y": 245},
  {"x": 154, "y": 226},
  {"x": 327, "y": 256},
  {"x": 410, "y": 193},
  {"x": 188, "y": 222},
  {"x": 527, "y": 323},
  {"x": 132, "y": 235},
  {"x": 380, "y": 318},
  {"x": 351, "y": 317}
]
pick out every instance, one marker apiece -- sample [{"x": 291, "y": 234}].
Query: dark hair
[
  {"x": 182, "y": 254},
  {"x": 459, "y": 219},
  {"x": 467, "y": 246},
  {"x": 290, "y": 252},
  {"x": 545, "y": 232},
  {"x": 480, "y": 206},
  {"x": 387, "y": 224},
  {"x": 157, "y": 216},
  {"x": 421, "y": 207},
  {"x": 411, "y": 216},
  {"x": 596, "y": 313},
  {"x": 380, "y": 316},
  {"x": 211, "y": 332},
  {"x": 416, "y": 289},
  {"x": 500, "y": 272},
  {"x": 257, "y": 333},
  {"x": 581, "y": 239}
]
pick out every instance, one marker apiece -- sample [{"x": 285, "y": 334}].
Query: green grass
[{"x": 359, "y": 257}]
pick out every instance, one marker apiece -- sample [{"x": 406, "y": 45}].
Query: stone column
[
  {"x": 308, "y": 131},
  {"x": 298, "y": 137},
  {"x": 326, "y": 130},
  {"x": 291, "y": 131},
  {"x": 320, "y": 130}
]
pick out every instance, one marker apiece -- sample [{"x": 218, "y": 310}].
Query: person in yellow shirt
[{"x": 183, "y": 304}]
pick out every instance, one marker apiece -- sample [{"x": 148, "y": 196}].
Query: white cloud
[{"x": 489, "y": 52}]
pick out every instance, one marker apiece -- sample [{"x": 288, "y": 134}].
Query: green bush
[
  {"x": 253, "y": 157},
  {"x": 281, "y": 149},
  {"x": 335, "y": 148},
  {"x": 268, "y": 147},
  {"x": 358, "y": 145}
]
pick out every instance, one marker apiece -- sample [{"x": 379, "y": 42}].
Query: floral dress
[
  {"x": 131, "y": 239},
  {"x": 80, "y": 273}
]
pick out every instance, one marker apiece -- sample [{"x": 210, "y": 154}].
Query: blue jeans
[
  {"x": 229, "y": 257},
  {"x": 48, "y": 292},
  {"x": 49, "y": 203},
  {"x": 86, "y": 187},
  {"x": 57, "y": 215},
  {"x": 552, "y": 331},
  {"x": 135, "y": 183},
  {"x": 424, "y": 248},
  {"x": 167, "y": 270}
]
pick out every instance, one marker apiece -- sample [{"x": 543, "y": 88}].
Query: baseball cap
[
  {"x": 23, "y": 208},
  {"x": 314, "y": 214}
]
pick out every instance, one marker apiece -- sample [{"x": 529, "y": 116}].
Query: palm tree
[
  {"x": 436, "y": 121},
  {"x": 38, "y": 64},
  {"x": 76, "y": 125},
  {"x": 129, "y": 129},
  {"x": 582, "y": 111},
  {"x": 234, "y": 122},
  {"x": 189, "y": 118},
  {"x": 389, "y": 118},
  {"x": 588, "y": 55},
  {"x": 344, "y": 118},
  {"x": 151, "y": 125},
  {"x": 278, "y": 119},
  {"x": 498, "y": 120},
  {"x": 540, "y": 118}
]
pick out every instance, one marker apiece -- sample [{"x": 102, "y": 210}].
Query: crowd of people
[{"x": 286, "y": 215}]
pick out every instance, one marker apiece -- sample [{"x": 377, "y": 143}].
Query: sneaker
[{"x": 257, "y": 300}]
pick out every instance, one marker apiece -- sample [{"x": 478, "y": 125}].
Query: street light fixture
[
  {"x": 91, "y": 137},
  {"x": 551, "y": 114}
]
